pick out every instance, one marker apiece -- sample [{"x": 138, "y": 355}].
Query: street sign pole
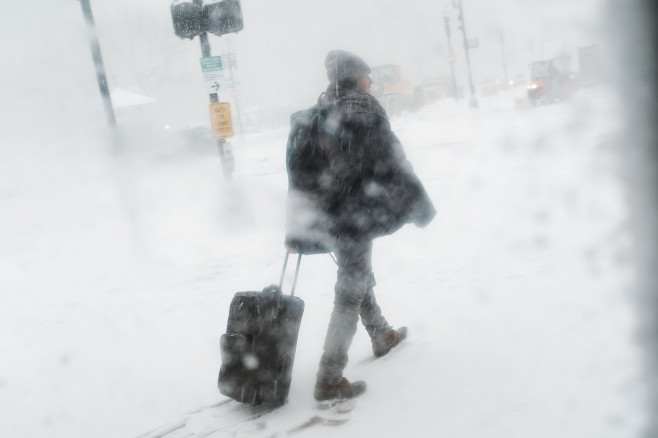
[
  {"x": 98, "y": 63},
  {"x": 225, "y": 153}
]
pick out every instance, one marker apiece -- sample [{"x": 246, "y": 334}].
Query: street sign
[
  {"x": 220, "y": 120},
  {"x": 211, "y": 63},
  {"x": 213, "y": 72}
]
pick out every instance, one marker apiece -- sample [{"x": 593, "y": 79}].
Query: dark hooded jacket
[{"x": 369, "y": 188}]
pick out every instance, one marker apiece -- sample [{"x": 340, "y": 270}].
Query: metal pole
[
  {"x": 98, "y": 63},
  {"x": 294, "y": 280},
  {"x": 283, "y": 271},
  {"x": 446, "y": 21},
  {"x": 205, "y": 52},
  {"x": 224, "y": 149},
  {"x": 473, "y": 103}
]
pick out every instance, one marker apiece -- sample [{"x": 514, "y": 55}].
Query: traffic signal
[
  {"x": 187, "y": 19},
  {"x": 223, "y": 17},
  {"x": 192, "y": 19}
]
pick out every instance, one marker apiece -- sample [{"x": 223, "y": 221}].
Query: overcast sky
[{"x": 281, "y": 50}]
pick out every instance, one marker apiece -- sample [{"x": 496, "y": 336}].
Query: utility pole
[
  {"x": 473, "y": 103},
  {"x": 98, "y": 63},
  {"x": 451, "y": 57}
]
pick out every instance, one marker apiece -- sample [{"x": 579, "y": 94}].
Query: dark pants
[{"x": 354, "y": 298}]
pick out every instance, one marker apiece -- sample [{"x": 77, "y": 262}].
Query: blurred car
[{"x": 551, "y": 81}]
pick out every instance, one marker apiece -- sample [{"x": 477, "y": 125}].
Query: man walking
[{"x": 367, "y": 190}]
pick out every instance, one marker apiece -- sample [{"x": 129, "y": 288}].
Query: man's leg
[
  {"x": 371, "y": 314},
  {"x": 354, "y": 271},
  {"x": 383, "y": 336}
]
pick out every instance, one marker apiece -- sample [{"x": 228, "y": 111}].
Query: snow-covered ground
[{"x": 116, "y": 274}]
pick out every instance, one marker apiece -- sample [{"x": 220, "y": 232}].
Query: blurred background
[
  {"x": 276, "y": 62},
  {"x": 51, "y": 110}
]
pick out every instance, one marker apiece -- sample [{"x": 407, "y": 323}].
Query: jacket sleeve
[
  {"x": 408, "y": 200},
  {"x": 384, "y": 191}
]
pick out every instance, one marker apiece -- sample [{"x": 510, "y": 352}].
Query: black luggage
[{"x": 258, "y": 348}]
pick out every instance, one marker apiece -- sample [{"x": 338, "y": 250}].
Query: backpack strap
[
  {"x": 333, "y": 149},
  {"x": 321, "y": 99}
]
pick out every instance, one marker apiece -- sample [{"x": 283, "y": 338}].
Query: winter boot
[
  {"x": 382, "y": 344},
  {"x": 341, "y": 390}
]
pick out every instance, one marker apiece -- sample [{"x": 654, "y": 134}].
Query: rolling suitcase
[{"x": 258, "y": 348}]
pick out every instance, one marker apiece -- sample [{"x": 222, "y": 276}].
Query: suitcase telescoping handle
[{"x": 283, "y": 273}]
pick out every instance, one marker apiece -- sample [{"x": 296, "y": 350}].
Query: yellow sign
[{"x": 220, "y": 120}]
